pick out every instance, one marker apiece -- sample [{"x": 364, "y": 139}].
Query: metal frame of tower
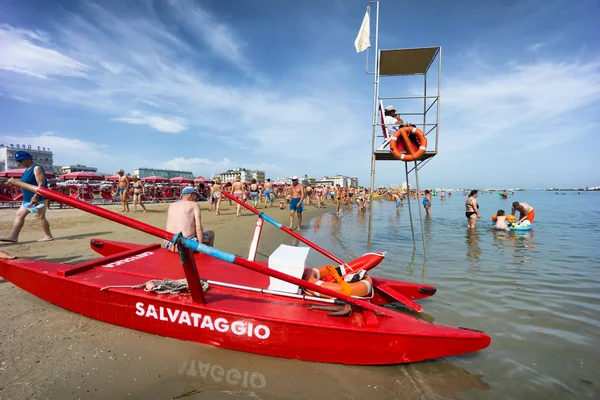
[{"x": 398, "y": 63}]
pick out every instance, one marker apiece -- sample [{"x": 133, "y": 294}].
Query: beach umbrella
[
  {"x": 153, "y": 179},
  {"x": 181, "y": 179},
  {"x": 83, "y": 176},
  {"x": 17, "y": 173},
  {"x": 112, "y": 178},
  {"x": 201, "y": 180}
]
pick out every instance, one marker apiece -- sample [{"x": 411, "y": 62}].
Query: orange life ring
[
  {"x": 404, "y": 133},
  {"x": 361, "y": 288}
]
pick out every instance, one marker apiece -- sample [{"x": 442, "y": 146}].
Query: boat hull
[{"x": 233, "y": 318}]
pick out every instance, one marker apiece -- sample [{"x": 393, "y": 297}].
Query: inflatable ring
[
  {"x": 361, "y": 288},
  {"x": 414, "y": 154}
]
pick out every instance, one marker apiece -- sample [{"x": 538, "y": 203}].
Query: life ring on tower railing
[{"x": 411, "y": 153}]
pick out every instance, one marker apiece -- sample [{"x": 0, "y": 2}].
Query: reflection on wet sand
[
  {"x": 147, "y": 366},
  {"x": 272, "y": 378}
]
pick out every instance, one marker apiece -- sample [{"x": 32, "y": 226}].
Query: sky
[{"x": 276, "y": 85}]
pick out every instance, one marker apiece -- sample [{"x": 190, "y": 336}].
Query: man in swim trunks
[
  {"x": 525, "y": 211},
  {"x": 34, "y": 175},
  {"x": 268, "y": 189},
  {"x": 296, "y": 202},
  {"x": 184, "y": 217},
  {"x": 396, "y": 198},
  {"x": 123, "y": 186}
]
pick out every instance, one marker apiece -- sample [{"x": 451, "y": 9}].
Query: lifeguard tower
[{"x": 415, "y": 99}]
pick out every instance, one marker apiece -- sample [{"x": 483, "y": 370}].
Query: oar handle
[{"x": 285, "y": 229}]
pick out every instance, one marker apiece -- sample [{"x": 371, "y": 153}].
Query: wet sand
[{"x": 48, "y": 352}]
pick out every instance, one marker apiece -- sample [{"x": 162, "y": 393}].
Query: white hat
[
  {"x": 294, "y": 178},
  {"x": 390, "y": 108}
]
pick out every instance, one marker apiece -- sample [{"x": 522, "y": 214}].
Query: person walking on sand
[
  {"x": 138, "y": 192},
  {"x": 6, "y": 256},
  {"x": 254, "y": 193},
  {"x": 337, "y": 198},
  {"x": 123, "y": 185},
  {"x": 268, "y": 188},
  {"x": 237, "y": 190},
  {"x": 472, "y": 209},
  {"x": 215, "y": 192},
  {"x": 526, "y": 212},
  {"x": 296, "y": 202},
  {"x": 184, "y": 217},
  {"x": 32, "y": 202}
]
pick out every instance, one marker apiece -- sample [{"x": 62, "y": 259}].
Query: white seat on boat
[{"x": 289, "y": 260}]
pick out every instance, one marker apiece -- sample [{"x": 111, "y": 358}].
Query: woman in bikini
[
  {"x": 472, "y": 209},
  {"x": 215, "y": 192},
  {"x": 254, "y": 193},
  {"x": 138, "y": 191},
  {"x": 237, "y": 190}
]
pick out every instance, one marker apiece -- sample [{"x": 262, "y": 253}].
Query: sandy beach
[{"x": 47, "y": 352}]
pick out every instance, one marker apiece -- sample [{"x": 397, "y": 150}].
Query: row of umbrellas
[{"x": 92, "y": 176}]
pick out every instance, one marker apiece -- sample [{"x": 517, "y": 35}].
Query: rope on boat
[{"x": 165, "y": 286}]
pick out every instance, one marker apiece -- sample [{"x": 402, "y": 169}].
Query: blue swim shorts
[
  {"x": 267, "y": 192},
  {"x": 294, "y": 205}
]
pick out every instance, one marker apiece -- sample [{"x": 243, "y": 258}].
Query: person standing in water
[
  {"x": 427, "y": 202},
  {"x": 472, "y": 209},
  {"x": 526, "y": 212}
]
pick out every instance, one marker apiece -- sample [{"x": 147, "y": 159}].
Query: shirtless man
[
  {"x": 123, "y": 186},
  {"x": 296, "y": 202},
  {"x": 525, "y": 211},
  {"x": 268, "y": 188},
  {"x": 396, "y": 198},
  {"x": 184, "y": 217},
  {"x": 308, "y": 190}
]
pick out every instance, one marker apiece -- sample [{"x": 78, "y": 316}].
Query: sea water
[{"x": 536, "y": 293}]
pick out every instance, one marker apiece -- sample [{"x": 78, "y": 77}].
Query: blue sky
[{"x": 277, "y": 85}]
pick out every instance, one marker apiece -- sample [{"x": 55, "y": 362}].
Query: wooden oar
[
  {"x": 191, "y": 244},
  {"x": 399, "y": 297}
]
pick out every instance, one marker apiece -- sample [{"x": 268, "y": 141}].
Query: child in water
[{"x": 501, "y": 221}]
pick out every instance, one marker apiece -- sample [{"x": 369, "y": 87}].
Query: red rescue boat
[{"x": 238, "y": 311}]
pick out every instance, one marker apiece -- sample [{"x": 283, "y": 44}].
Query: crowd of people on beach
[{"x": 184, "y": 214}]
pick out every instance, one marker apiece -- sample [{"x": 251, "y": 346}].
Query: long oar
[
  {"x": 191, "y": 244},
  {"x": 399, "y": 297},
  {"x": 285, "y": 229}
]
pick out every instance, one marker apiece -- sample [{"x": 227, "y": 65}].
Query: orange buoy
[
  {"x": 404, "y": 133},
  {"x": 361, "y": 288}
]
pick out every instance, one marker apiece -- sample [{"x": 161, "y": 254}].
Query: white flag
[{"x": 363, "y": 40}]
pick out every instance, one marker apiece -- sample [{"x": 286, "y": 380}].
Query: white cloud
[
  {"x": 21, "y": 55},
  {"x": 162, "y": 124},
  {"x": 200, "y": 166},
  {"x": 66, "y": 150}
]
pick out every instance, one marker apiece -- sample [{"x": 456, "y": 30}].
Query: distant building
[
  {"x": 67, "y": 169},
  {"x": 143, "y": 172},
  {"x": 245, "y": 175},
  {"x": 343, "y": 181},
  {"x": 41, "y": 156}
]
